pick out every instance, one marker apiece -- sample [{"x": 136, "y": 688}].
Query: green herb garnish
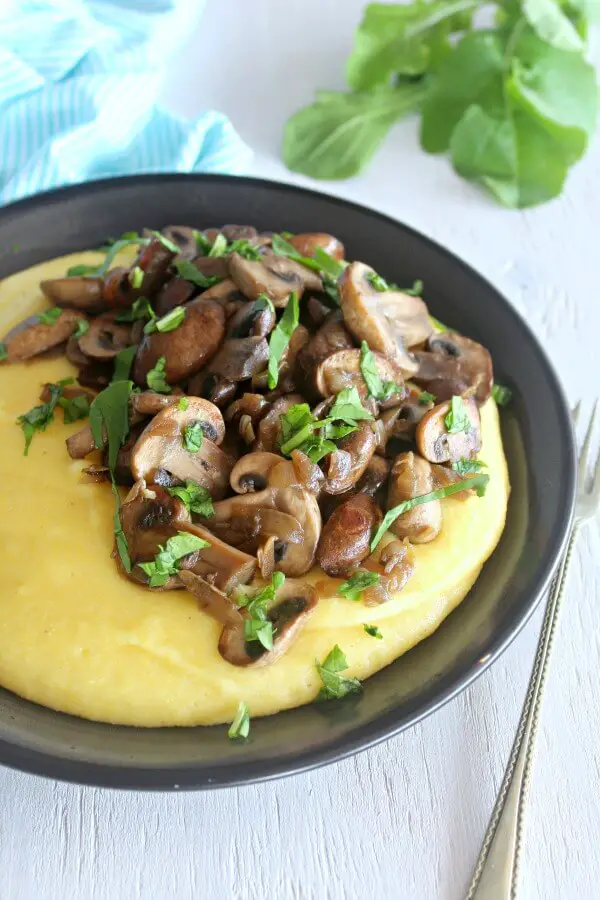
[
  {"x": 301, "y": 431},
  {"x": 188, "y": 271},
  {"x": 467, "y": 466},
  {"x": 109, "y": 419},
  {"x": 139, "y": 309},
  {"x": 501, "y": 394},
  {"x": 166, "y": 561},
  {"x": 3, "y": 351},
  {"x": 240, "y": 727},
  {"x": 195, "y": 498},
  {"x": 166, "y": 242},
  {"x": 457, "y": 420},
  {"x": 193, "y": 436},
  {"x": 246, "y": 249},
  {"x": 74, "y": 408},
  {"x": 353, "y": 588},
  {"x": 257, "y": 625},
  {"x": 280, "y": 337},
  {"x": 169, "y": 322},
  {"x": 376, "y": 281},
  {"x": 120, "y": 539},
  {"x": 156, "y": 379},
  {"x": 374, "y": 631},
  {"x": 219, "y": 247},
  {"x": 83, "y": 326},
  {"x": 50, "y": 316},
  {"x": 281, "y": 247},
  {"x": 378, "y": 389},
  {"x": 425, "y": 397},
  {"x": 136, "y": 277},
  {"x": 335, "y": 686},
  {"x": 348, "y": 407},
  {"x": 479, "y": 484},
  {"x": 183, "y": 404},
  {"x": 123, "y": 363},
  {"x": 38, "y": 418}
]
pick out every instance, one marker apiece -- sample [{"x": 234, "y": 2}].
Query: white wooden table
[{"x": 404, "y": 820}]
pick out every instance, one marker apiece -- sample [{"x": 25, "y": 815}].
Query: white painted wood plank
[{"x": 405, "y": 819}]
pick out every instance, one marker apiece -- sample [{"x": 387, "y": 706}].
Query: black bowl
[{"x": 539, "y": 446}]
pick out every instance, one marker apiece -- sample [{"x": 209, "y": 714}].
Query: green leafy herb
[
  {"x": 38, "y": 418},
  {"x": 202, "y": 242},
  {"x": 263, "y": 301},
  {"x": 501, "y": 394},
  {"x": 348, "y": 407},
  {"x": 328, "y": 266},
  {"x": 301, "y": 431},
  {"x": 240, "y": 727},
  {"x": 457, "y": 420},
  {"x": 283, "y": 248},
  {"x": 257, "y": 625},
  {"x": 374, "y": 631},
  {"x": 109, "y": 419},
  {"x": 3, "y": 351},
  {"x": 136, "y": 277},
  {"x": 219, "y": 247},
  {"x": 335, "y": 686},
  {"x": 193, "y": 437},
  {"x": 191, "y": 273},
  {"x": 467, "y": 466},
  {"x": 120, "y": 244},
  {"x": 120, "y": 538},
  {"x": 166, "y": 561},
  {"x": 74, "y": 408},
  {"x": 280, "y": 337},
  {"x": 83, "y": 326},
  {"x": 195, "y": 497},
  {"x": 167, "y": 243},
  {"x": 515, "y": 103},
  {"x": 169, "y": 322},
  {"x": 376, "y": 281},
  {"x": 479, "y": 484},
  {"x": 425, "y": 398},
  {"x": 139, "y": 309},
  {"x": 353, "y": 588},
  {"x": 123, "y": 363},
  {"x": 245, "y": 249},
  {"x": 156, "y": 379},
  {"x": 78, "y": 271},
  {"x": 50, "y": 316},
  {"x": 183, "y": 404},
  {"x": 379, "y": 389}
]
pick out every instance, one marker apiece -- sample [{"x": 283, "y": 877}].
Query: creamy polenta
[{"x": 78, "y": 637}]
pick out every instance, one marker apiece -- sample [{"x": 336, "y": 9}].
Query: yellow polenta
[{"x": 76, "y": 636}]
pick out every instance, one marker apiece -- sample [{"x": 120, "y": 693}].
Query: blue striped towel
[{"x": 79, "y": 82}]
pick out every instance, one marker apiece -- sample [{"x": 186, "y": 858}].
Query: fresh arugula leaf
[
  {"x": 183, "y": 404},
  {"x": 336, "y": 136},
  {"x": 379, "y": 389},
  {"x": 348, "y": 407},
  {"x": 353, "y": 588},
  {"x": 240, "y": 727},
  {"x": 3, "y": 351},
  {"x": 335, "y": 686},
  {"x": 74, "y": 408},
  {"x": 551, "y": 24},
  {"x": 502, "y": 394},
  {"x": 109, "y": 419},
  {"x": 479, "y": 484},
  {"x": 195, "y": 497},
  {"x": 190, "y": 272},
  {"x": 374, "y": 631},
  {"x": 166, "y": 561},
  {"x": 457, "y": 420},
  {"x": 156, "y": 379},
  {"x": 50, "y": 316},
  {"x": 280, "y": 338},
  {"x": 425, "y": 398},
  {"x": 139, "y": 309},
  {"x": 467, "y": 466},
  {"x": 169, "y": 322},
  {"x": 193, "y": 436},
  {"x": 83, "y": 326},
  {"x": 38, "y": 418},
  {"x": 136, "y": 277},
  {"x": 123, "y": 363}
]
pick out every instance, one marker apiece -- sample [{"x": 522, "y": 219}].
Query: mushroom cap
[
  {"x": 346, "y": 537},
  {"x": 273, "y": 275},
  {"x": 227, "y": 294},
  {"x": 294, "y": 604},
  {"x": 80, "y": 293},
  {"x": 184, "y": 237},
  {"x": 344, "y": 466},
  {"x": 187, "y": 348},
  {"x": 307, "y": 242},
  {"x": 254, "y": 319},
  {"x": 391, "y": 322},
  {"x": 455, "y": 364},
  {"x": 269, "y": 427},
  {"x": 31, "y": 337},
  {"x": 149, "y": 403},
  {"x": 251, "y": 471},
  {"x": 437, "y": 445},
  {"x": 154, "y": 259},
  {"x": 331, "y": 337},
  {"x": 105, "y": 337},
  {"x": 174, "y": 292},
  {"x": 342, "y": 370},
  {"x": 411, "y": 476},
  {"x": 224, "y": 566},
  {"x": 239, "y": 359},
  {"x": 210, "y": 599}
]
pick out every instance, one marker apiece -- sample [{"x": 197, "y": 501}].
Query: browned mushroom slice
[
  {"x": 346, "y": 537},
  {"x": 439, "y": 445},
  {"x": 251, "y": 472},
  {"x": 226, "y": 294},
  {"x": 224, "y": 566},
  {"x": 105, "y": 338},
  {"x": 254, "y": 319},
  {"x": 371, "y": 481},
  {"x": 84, "y": 294},
  {"x": 389, "y": 321},
  {"x": 307, "y": 473},
  {"x": 395, "y": 563},
  {"x": 345, "y": 465},
  {"x": 32, "y": 337},
  {"x": 175, "y": 292},
  {"x": 213, "y": 387},
  {"x": 210, "y": 599},
  {"x": 289, "y": 373},
  {"x": 454, "y": 365},
  {"x": 275, "y": 276},
  {"x": 342, "y": 370},
  {"x": 159, "y": 455},
  {"x": 184, "y": 237},
  {"x": 294, "y": 604},
  {"x": 154, "y": 259},
  {"x": 269, "y": 427},
  {"x": 149, "y": 403},
  {"x": 240, "y": 358},
  {"x": 74, "y": 354},
  {"x": 69, "y": 392},
  {"x": 96, "y": 375},
  {"x": 331, "y": 337},
  {"x": 265, "y": 556},
  {"x": 411, "y": 477},
  {"x": 240, "y": 233},
  {"x": 251, "y": 407},
  {"x": 307, "y": 243},
  {"x": 117, "y": 290},
  {"x": 186, "y": 349},
  {"x": 81, "y": 444}
]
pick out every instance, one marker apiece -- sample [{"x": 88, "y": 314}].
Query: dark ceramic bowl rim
[{"x": 386, "y": 725}]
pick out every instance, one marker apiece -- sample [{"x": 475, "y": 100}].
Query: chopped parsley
[
  {"x": 381, "y": 285},
  {"x": 129, "y": 238},
  {"x": 136, "y": 277},
  {"x": 301, "y": 431},
  {"x": 376, "y": 281},
  {"x": 156, "y": 379},
  {"x": 328, "y": 267},
  {"x": 193, "y": 437},
  {"x": 219, "y": 246},
  {"x": 240, "y": 727},
  {"x": 466, "y": 466},
  {"x": 190, "y": 272},
  {"x": 3, "y": 351},
  {"x": 183, "y": 404},
  {"x": 257, "y": 625},
  {"x": 378, "y": 389},
  {"x": 195, "y": 498},
  {"x": 244, "y": 248},
  {"x": 331, "y": 268},
  {"x": 74, "y": 408},
  {"x": 479, "y": 484},
  {"x": 280, "y": 337},
  {"x": 502, "y": 394},
  {"x": 50, "y": 316},
  {"x": 169, "y": 322},
  {"x": 166, "y": 561},
  {"x": 353, "y": 588},
  {"x": 38, "y": 418},
  {"x": 335, "y": 685},
  {"x": 425, "y": 398},
  {"x": 123, "y": 363},
  {"x": 457, "y": 419},
  {"x": 139, "y": 309},
  {"x": 374, "y": 631},
  {"x": 348, "y": 407}
]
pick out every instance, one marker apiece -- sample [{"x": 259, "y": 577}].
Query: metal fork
[{"x": 497, "y": 869}]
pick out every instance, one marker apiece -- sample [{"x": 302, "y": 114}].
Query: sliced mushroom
[
  {"x": 307, "y": 243},
  {"x": 275, "y": 276},
  {"x": 175, "y": 292},
  {"x": 122, "y": 472},
  {"x": 154, "y": 259},
  {"x": 252, "y": 406},
  {"x": 149, "y": 403},
  {"x": 391, "y": 322},
  {"x": 159, "y": 455},
  {"x": 394, "y": 563},
  {"x": 307, "y": 473},
  {"x": 74, "y": 354},
  {"x": 96, "y": 375},
  {"x": 239, "y": 359},
  {"x": 331, "y": 337},
  {"x": 105, "y": 338},
  {"x": 436, "y": 444},
  {"x": 117, "y": 290},
  {"x": 31, "y": 337},
  {"x": 80, "y": 293},
  {"x": 224, "y": 566},
  {"x": 184, "y": 237},
  {"x": 346, "y": 537},
  {"x": 294, "y": 604},
  {"x": 411, "y": 476},
  {"x": 210, "y": 599},
  {"x": 371, "y": 481},
  {"x": 345, "y": 465},
  {"x": 254, "y": 319},
  {"x": 251, "y": 472},
  {"x": 69, "y": 392},
  {"x": 342, "y": 370},
  {"x": 187, "y": 348},
  {"x": 269, "y": 427},
  {"x": 227, "y": 294},
  {"x": 454, "y": 364}
]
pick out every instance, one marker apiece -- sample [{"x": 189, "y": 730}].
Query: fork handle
[{"x": 497, "y": 868}]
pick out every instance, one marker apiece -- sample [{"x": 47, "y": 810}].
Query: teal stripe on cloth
[{"x": 79, "y": 88}]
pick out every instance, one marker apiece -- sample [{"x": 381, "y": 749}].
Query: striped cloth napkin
[{"x": 79, "y": 83}]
